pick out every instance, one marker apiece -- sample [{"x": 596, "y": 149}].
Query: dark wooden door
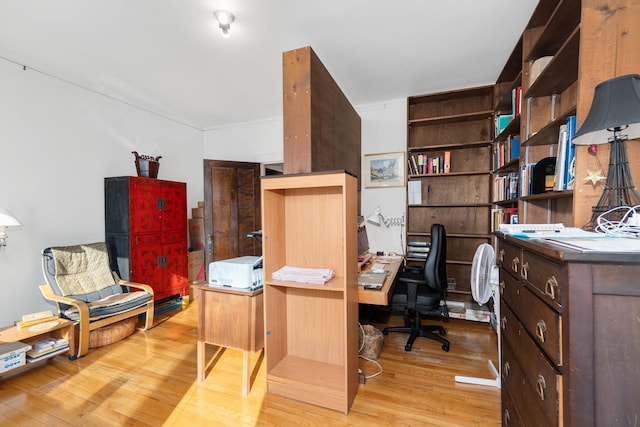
[{"x": 232, "y": 209}]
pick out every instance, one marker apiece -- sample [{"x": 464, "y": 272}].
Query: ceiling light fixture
[{"x": 225, "y": 19}]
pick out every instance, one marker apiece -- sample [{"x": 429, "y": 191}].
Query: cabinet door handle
[
  {"x": 161, "y": 203},
  {"x": 507, "y": 417},
  {"x": 550, "y": 287},
  {"x": 502, "y": 285},
  {"x": 503, "y": 323},
  {"x": 541, "y": 328},
  {"x": 541, "y": 386},
  {"x": 505, "y": 369},
  {"x": 514, "y": 264},
  {"x": 162, "y": 261},
  {"x": 525, "y": 270},
  {"x": 501, "y": 255}
]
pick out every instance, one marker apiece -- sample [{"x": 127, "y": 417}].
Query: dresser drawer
[
  {"x": 527, "y": 408},
  {"x": 541, "y": 377},
  {"x": 510, "y": 416},
  {"x": 509, "y": 257},
  {"x": 541, "y": 321},
  {"x": 546, "y": 276}
]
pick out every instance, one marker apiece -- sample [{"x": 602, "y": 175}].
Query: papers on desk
[
  {"x": 611, "y": 244},
  {"x": 314, "y": 276}
]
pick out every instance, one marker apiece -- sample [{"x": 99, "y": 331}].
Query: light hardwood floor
[{"x": 150, "y": 379}]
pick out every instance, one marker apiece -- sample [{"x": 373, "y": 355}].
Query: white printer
[{"x": 243, "y": 272}]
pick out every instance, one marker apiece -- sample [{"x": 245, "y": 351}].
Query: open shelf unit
[{"x": 310, "y": 220}]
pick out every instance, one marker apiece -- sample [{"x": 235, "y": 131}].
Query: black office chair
[{"x": 419, "y": 292}]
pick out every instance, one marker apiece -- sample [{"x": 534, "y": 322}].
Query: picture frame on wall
[{"x": 384, "y": 170}]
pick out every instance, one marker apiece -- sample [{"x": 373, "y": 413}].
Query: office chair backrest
[{"x": 435, "y": 266}]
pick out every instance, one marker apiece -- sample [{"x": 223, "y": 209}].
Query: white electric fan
[{"x": 484, "y": 286}]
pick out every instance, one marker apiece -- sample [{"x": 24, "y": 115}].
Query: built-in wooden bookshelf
[{"x": 458, "y": 125}]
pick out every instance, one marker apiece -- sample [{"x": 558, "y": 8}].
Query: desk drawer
[
  {"x": 526, "y": 403},
  {"x": 541, "y": 377},
  {"x": 548, "y": 277}
]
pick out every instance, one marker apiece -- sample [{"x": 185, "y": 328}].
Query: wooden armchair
[{"x": 85, "y": 289}]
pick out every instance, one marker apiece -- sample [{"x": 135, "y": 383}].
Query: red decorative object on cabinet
[{"x": 146, "y": 230}]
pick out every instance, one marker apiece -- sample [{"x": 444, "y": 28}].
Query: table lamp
[{"x": 615, "y": 108}]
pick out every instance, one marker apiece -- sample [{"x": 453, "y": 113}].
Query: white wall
[
  {"x": 57, "y": 144},
  {"x": 383, "y": 130}
]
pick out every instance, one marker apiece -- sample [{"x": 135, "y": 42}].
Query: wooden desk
[
  {"x": 382, "y": 296},
  {"x": 229, "y": 318}
]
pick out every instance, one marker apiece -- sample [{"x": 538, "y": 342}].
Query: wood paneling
[{"x": 322, "y": 130}]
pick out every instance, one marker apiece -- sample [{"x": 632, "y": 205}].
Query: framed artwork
[{"x": 384, "y": 170}]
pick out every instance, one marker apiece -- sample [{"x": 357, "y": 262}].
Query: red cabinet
[{"x": 146, "y": 229}]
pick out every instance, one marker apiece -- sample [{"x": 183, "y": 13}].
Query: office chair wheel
[
  {"x": 407, "y": 347},
  {"x": 445, "y": 347}
]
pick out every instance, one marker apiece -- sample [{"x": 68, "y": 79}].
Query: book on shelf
[
  {"x": 447, "y": 162},
  {"x": 516, "y": 101},
  {"x": 422, "y": 255},
  {"x": 501, "y": 122},
  {"x": 558, "y": 184},
  {"x": 46, "y": 347},
  {"x": 570, "y": 155},
  {"x": 418, "y": 243},
  {"x": 24, "y": 324}
]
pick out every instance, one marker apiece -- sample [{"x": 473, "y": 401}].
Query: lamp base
[{"x": 619, "y": 188}]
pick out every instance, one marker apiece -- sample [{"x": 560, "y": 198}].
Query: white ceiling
[{"x": 168, "y": 56}]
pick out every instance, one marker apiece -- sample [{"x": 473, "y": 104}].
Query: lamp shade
[
  {"x": 616, "y": 104},
  {"x": 7, "y": 219}
]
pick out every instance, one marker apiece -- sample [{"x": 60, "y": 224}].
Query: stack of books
[
  {"x": 46, "y": 347},
  {"x": 417, "y": 249},
  {"x": 29, "y": 320}
]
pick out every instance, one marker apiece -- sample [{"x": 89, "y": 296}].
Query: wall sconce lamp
[
  {"x": 378, "y": 219},
  {"x": 225, "y": 19},
  {"x": 6, "y": 220},
  {"x": 615, "y": 108}
]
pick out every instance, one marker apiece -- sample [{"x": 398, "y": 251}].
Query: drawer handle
[
  {"x": 541, "y": 386},
  {"x": 525, "y": 271},
  {"x": 514, "y": 264},
  {"x": 507, "y": 417},
  {"x": 503, "y": 323},
  {"x": 541, "y": 328},
  {"x": 550, "y": 287},
  {"x": 501, "y": 255},
  {"x": 502, "y": 285},
  {"x": 505, "y": 369}
]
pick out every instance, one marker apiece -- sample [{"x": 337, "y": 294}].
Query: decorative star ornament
[{"x": 595, "y": 177}]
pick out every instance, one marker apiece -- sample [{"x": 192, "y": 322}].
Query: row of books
[
  {"x": 505, "y": 187},
  {"x": 516, "y": 101},
  {"x": 417, "y": 249},
  {"x": 504, "y": 216},
  {"x": 501, "y": 121},
  {"x": 565, "y": 158},
  {"x": 422, "y": 164},
  {"x": 506, "y": 151}
]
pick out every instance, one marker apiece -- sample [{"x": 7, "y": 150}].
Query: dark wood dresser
[{"x": 570, "y": 335}]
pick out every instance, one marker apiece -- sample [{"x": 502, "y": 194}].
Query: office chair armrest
[
  {"x": 148, "y": 289},
  {"x": 417, "y": 280}
]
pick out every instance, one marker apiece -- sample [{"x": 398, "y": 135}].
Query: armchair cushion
[
  {"x": 110, "y": 305},
  {"x": 81, "y": 269}
]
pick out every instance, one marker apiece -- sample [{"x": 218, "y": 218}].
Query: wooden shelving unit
[
  {"x": 459, "y": 122},
  {"x": 309, "y": 220}
]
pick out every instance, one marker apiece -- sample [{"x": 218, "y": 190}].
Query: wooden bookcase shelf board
[{"x": 309, "y": 220}]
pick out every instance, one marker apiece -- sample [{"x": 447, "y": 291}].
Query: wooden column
[
  {"x": 321, "y": 128},
  {"x": 609, "y": 40}
]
